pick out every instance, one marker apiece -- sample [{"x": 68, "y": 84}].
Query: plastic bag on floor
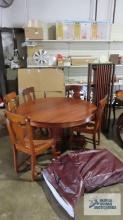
[{"x": 75, "y": 173}]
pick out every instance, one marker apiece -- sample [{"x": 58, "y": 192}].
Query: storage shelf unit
[
  {"x": 94, "y": 48},
  {"x": 74, "y": 41}
]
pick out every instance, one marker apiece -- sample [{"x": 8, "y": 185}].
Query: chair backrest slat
[
  {"x": 11, "y": 102},
  {"x": 28, "y": 94},
  {"x": 99, "y": 112},
  {"x": 19, "y": 129},
  {"x": 73, "y": 91}
]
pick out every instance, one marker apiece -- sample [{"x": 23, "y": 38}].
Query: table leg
[
  {"x": 76, "y": 142},
  {"x": 61, "y": 141}
]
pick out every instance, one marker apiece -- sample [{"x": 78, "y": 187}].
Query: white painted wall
[
  {"x": 51, "y": 10},
  {"x": 119, "y": 12},
  {"x": 105, "y": 10},
  {"x": 15, "y": 15},
  {"x": 45, "y": 10}
]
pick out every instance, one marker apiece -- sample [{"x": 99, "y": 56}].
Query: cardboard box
[
  {"x": 32, "y": 50},
  {"x": 114, "y": 58},
  {"x": 48, "y": 80},
  {"x": 33, "y": 33},
  {"x": 51, "y": 32},
  {"x": 78, "y": 61}
]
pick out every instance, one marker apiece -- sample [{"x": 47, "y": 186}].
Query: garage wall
[
  {"x": 105, "y": 10},
  {"x": 15, "y": 15},
  {"x": 119, "y": 12},
  {"x": 51, "y": 10}
]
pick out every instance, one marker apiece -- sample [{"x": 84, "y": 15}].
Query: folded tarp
[{"x": 78, "y": 172}]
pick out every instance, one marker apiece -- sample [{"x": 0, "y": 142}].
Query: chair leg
[
  {"x": 78, "y": 133},
  {"x": 114, "y": 117},
  {"x": 94, "y": 141},
  {"x": 98, "y": 137},
  {"x": 33, "y": 162},
  {"x": 15, "y": 159},
  {"x": 54, "y": 152},
  {"x": 71, "y": 137},
  {"x": 49, "y": 133}
]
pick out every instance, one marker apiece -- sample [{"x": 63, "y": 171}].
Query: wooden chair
[
  {"x": 100, "y": 84},
  {"x": 28, "y": 94},
  {"x": 94, "y": 126},
  {"x": 73, "y": 91},
  {"x": 11, "y": 101},
  {"x": 20, "y": 132}
]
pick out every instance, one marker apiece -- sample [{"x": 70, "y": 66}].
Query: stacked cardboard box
[
  {"x": 82, "y": 30},
  {"x": 39, "y": 79},
  {"x": 33, "y": 33},
  {"x": 83, "y": 60},
  {"x": 33, "y": 30}
]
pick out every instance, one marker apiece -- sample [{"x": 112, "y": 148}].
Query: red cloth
[{"x": 78, "y": 172}]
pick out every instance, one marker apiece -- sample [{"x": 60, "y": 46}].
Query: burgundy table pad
[{"x": 78, "y": 172}]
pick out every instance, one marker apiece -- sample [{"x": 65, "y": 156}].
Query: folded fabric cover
[{"x": 83, "y": 171}]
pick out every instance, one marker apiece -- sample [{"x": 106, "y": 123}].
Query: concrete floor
[{"x": 21, "y": 199}]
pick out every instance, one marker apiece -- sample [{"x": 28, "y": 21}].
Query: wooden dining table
[{"x": 57, "y": 113}]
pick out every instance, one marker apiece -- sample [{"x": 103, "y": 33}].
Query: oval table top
[{"x": 57, "y": 112}]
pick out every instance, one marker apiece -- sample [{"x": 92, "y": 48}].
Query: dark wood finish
[
  {"x": 28, "y": 94},
  {"x": 119, "y": 94},
  {"x": 73, "y": 91},
  {"x": 57, "y": 112},
  {"x": 93, "y": 126},
  {"x": 100, "y": 84},
  {"x": 11, "y": 101},
  {"x": 20, "y": 132},
  {"x": 8, "y": 97}
]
